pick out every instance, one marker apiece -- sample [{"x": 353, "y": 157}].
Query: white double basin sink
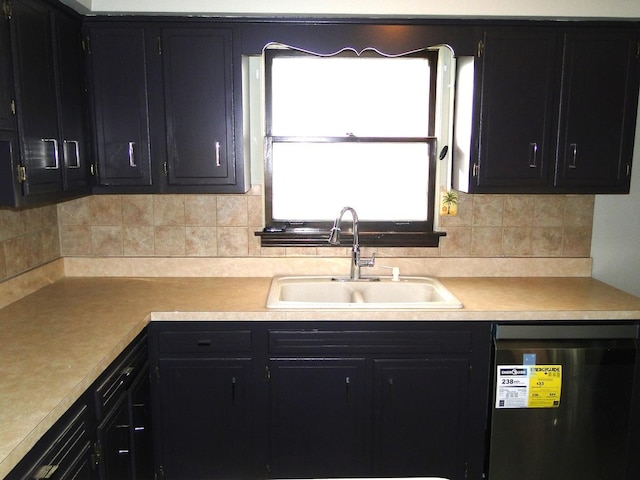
[{"x": 323, "y": 292}]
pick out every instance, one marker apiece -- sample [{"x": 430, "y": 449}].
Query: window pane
[
  {"x": 382, "y": 181},
  {"x": 366, "y": 97}
]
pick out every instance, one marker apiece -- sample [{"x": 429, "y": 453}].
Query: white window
[{"x": 350, "y": 129}]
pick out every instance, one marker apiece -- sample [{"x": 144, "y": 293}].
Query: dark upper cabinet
[
  {"x": 517, "y": 109},
  {"x": 36, "y": 105},
  {"x": 199, "y": 107},
  {"x": 120, "y": 101},
  {"x": 166, "y": 108},
  {"x": 7, "y": 100},
  {"x": 45, "y": 91},
  {"x": 72, "y": 102},
  {"x": 555, "y": 111},
  {"x": 598, "y": 110}
]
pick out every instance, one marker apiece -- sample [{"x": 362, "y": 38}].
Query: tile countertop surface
[{"x": 55, "y": 342}]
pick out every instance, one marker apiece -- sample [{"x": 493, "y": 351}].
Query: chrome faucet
[{"x": 356, "y": 261}]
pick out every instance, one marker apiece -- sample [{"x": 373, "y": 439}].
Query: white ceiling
[{"x": 606, "y": 9}]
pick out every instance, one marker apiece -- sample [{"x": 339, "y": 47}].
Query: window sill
[{"x": 319, "y": 238}]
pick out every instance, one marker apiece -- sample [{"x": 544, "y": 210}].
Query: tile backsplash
[{"x": 224, "y": 226}]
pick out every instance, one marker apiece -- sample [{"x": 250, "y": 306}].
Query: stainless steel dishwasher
[{"x": 562, "y": 402}]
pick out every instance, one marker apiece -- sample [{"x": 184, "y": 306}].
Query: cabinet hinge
[
  {"x": 22, "y": 173},
  {"x": 267, "y": 373},
  {"x": 476, "y": 168},
  {"x": 160, "y": 474},
  {"x": 628, "y": 169},
  {"x": 6, "y": 8},
  {"x": 96, "y": 456},
  {"x": 165, "y": 168},
  {"x": 93, "y": 169},
  {"x": 638, "y": 50},
  {"x": 86, "y": 45},
  {"x": 480, "y": 48},
  {"x": 155, "y": 375},
  {"x": 159, "y": 45},
  {"x": 13, "y": 107}
]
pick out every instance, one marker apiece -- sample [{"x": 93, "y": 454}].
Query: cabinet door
[
  {"x": 204, "y": 409},
  {"x": 318, "y": 418},
  {"x": 114, "y": 443},
  {"x": 7, "y": 118},
  {"x": 36, "y": 96},
  {"x": 72, "y": 102},
  {"x": 120, "y": 103},
  {"x": 420, "y": 417},
  {"x": 198, "y": 93},
  {"x": 517, "y": 117},
  {"x": 598, "y": 110}
]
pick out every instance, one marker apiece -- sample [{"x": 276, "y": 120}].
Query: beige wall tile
[
  {"x": 74, "y": 212},
  {"x": 137, "y": 210},
  {"x": 517, "y": 241},
  {"x": 75, "y": 240},
  {"x": 107, "y": 240},
  {"x": 168, "y": 210},
  {"x": 105, "y": 209},
  {"x": 200, "y": 210},
  {"x": 232, "y": 211},
  {"x": 138, "y": 240},
  {"x": 233, "y": 242},
  {"x": 488, "y": 210},
  {"x": 457, "y": 242},
  {"x": 16, "y": 255},
  {"x": 3, "y": 262},
  {"x": 577, "y": 242},
  {"x": 170, "y": 240},
  {"x": 255, "y": 211},
  {"x": 201, "y": 241},
  {"x": 50, "y": 243},
  {"x": 34, "y": 249},
  {"x": 548, "y": 211},
  {"x": 518, "y": 211},
  {"x": 547, "y": 241},
  {"x": 579, "y": 211},
  {"x": 486, "y": 241}
]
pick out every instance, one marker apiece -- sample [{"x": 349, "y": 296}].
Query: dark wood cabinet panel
[
  {"x": 198, "y": 95},
  {"x": 410, "y": 394},
  {"x": 598, "y": 110},
  {"x": 318, "y": 418},
  {"x": 518, "y": 109},
  {"x": 42, "y": 96},
  {"x": 72, "y": 103},
  {"x": 204, "y": 430},
  {"x": 556, "y": 111},
  {"x": 120, "y": 105},
  {"x": 320, "y": 399},
  {"x": 33, "y": 56}
]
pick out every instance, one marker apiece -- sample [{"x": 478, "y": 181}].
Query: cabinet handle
[
  {"x": 574, "y": 155},
  {"x": 533, "y": 155},
  {"x": 132, "y": 155},
  {"x": 76, "y": 153},
  {"x": 56, "y": 158},
  {"x": 217, "y": 154}
]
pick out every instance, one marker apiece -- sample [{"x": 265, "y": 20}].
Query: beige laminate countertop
[{"x": 55, "y": 342}]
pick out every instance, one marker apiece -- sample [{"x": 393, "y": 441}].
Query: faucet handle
[{"x": 367, "y": 261}]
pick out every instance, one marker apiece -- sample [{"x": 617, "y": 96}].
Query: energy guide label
[{"x": 528, "y": 386}]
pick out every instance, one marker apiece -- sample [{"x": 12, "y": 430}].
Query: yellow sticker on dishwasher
[
  {"x": 545, "y": 386},
  {"x": 528, "y": 386}
]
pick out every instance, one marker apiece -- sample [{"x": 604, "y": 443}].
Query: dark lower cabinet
[
  {"x": 204, "y": 405},
  {"x": 410, "y": 394},
  {"x": 320, "y": 399},
  {"x": 317, "y": 417}
]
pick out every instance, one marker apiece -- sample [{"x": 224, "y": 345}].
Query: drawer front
[
  {"x": 204, "y": 342},
  {"x": 115, "y": 382},
  {"x": 368, "y": 341}
]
